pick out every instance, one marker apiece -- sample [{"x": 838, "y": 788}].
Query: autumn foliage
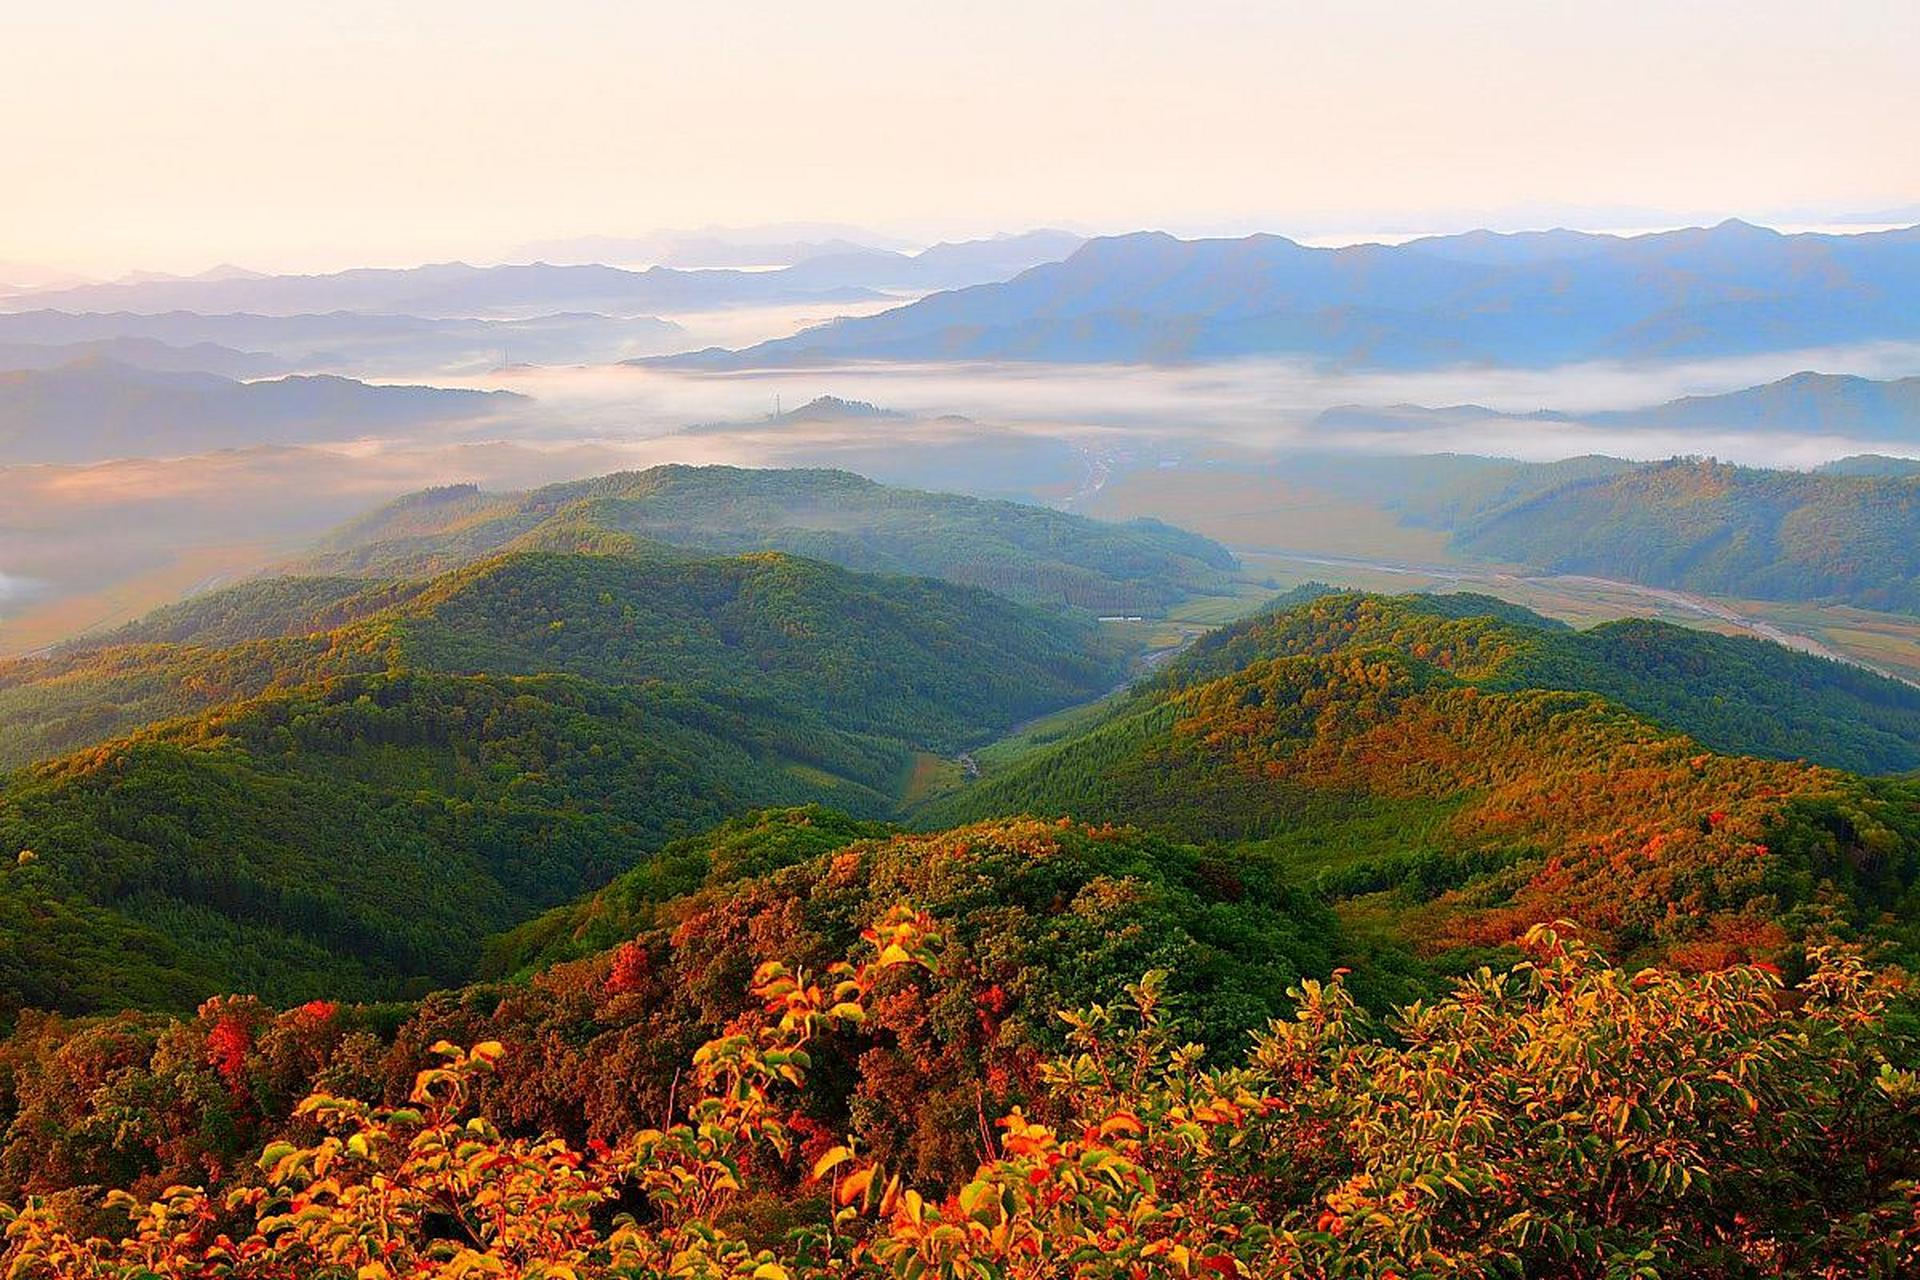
[{"x": 1561, "y": 1117}]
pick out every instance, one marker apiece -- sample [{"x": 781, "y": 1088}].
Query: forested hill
[
  {"x": 1735, "y": 694},
  {"x": 1710, "y": 527},
  {"x": 347, "y": 813},
  {"x": 1336, "y": 806},
  {"x": 1441, "y": 771},
  {"x": 1846, "y": 533},
  {"x": 1036, "y": 916},
  {"x": 1028, "y": 553},
  {"x": 1524, "y": 1122}
]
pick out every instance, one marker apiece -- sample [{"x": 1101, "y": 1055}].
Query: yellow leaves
[
  {"x": 890, "y": 1197},
  {"x": 1130, "y": 1186},
  {"x": 982, "y": 1201},
  {"x": 1177, "y": 1254},
  {"x": 830, "y": 1159},
  {"x": 902, "y": 936},
  {"x": 1218, "y": 1111},
  {"x": 854, "y": 1185}
]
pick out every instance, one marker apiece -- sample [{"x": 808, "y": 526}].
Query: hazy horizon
[{"x": 291, "y": 137}]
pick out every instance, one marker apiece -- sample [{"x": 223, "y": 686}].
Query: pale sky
[{"x": 175, "y": 135}]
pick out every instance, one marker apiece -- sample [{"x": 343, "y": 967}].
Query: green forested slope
[
  {"x": 1735, "y": 694},
  {"x": 354, "y": 838},
  {"x": 358, "y": 809},
  {"x": 1382, "y": 747},
  {"x": 1028, "y": 553},
  {"x": 926, "y": 661},
  {"x": 1036, "y": 916},
  {"x": 1722, "y": 530}
]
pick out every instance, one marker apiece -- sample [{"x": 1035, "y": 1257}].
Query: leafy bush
[{"x": 1562, "y": 1117}]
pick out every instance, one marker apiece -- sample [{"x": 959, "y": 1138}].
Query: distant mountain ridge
[
  {"x": 143, "y": 353},
  {"x": 1817, "y": 403},
  {"x": 458, "y": 289},
  {"x": 99, "y": 409},
  {"x": 362, "y": 344},
  {"x": 762, "y": 245},
  {"x": 448, "y": 290},
  {"x": 1869, "y": 464},
  {"x": 1806, "y": 402},
  {"x": 1536, "y": 299}
]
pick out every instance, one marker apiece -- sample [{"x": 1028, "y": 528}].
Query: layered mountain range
[{"x": 1530, "y": 299}]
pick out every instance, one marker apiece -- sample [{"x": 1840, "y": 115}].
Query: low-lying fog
[
  {"x": 87, "y": 546},
  {"x": 1252, "y": 404}
]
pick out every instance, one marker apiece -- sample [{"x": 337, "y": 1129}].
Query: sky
[{"x": 281, "y": 134}]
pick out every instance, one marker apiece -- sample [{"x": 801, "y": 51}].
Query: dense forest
[
  {"x": 912, "y": 1109},
  {"x": 309, "y": 838},
  {"x": 923, "y": 660},
  {"x": 1405, "y": 760},
  {"x": 349, "y": 813},
  {"x": 1844, "y": 533},
  {"x": 1029, "y": 553},
  {"x": 1736, "y": 531}
]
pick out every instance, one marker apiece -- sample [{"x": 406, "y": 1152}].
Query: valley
[{"x": 978, "y": 642}]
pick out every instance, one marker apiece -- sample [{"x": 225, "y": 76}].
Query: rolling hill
[
  {"x": 1028, "y": 553},
  {"x": 457, "y": 289},
  {"x": 1034, "y": 915},
  {"x": 1338, "y": 802},
  {"x": 1700, "y": 525},
  {"x": 1841, "y": 534},
  {"x": 492, "y": 742},
  {"x": 1451, "y": 778},
  {"x": 1539, "y": 300}
]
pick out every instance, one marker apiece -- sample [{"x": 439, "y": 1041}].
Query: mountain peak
[
  {"x": 1741, "y": 227},
  {"x": 834, "y": 409}
]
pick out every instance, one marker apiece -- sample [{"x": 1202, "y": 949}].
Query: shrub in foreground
[{"x": 1560, "y": 1118}]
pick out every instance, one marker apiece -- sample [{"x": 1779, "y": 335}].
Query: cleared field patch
[{"x": 929, "y": 775}]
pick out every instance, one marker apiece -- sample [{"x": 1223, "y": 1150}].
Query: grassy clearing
[{"x": 929, "y": 775}]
